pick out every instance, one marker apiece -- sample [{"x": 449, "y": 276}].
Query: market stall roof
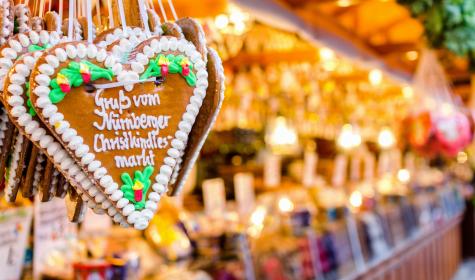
[{"x": 319, "y": 28}]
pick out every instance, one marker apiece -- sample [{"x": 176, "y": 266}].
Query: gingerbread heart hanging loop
[{"x": 128, "y": 131}]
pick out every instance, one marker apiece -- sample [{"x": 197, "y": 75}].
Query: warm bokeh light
[
  {"x": 281, "y": 137},
  {"x": 285, "y": 205},
  {"x": 349, "y": 138},
  {"x": 412, "y": 55},
  {"x": 375, "y": 77},
  {"x": 386, "y": 138},
  {"x": 221, "y": 21},
  {"x": 403, "y": 175},
  {"x": 407, "y": 92},
  {"x": 356, "y": 199}
]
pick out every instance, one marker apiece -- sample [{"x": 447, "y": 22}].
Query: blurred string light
[
  {"x": 356, "y": 199},
  {"x": 344, "y": 3},
  {"x": 349, "y": 137},
  {"x": 285, "y": 205},
  {"x": 412, "y": 55},
  {"x": 257, "y": 221},
  {"x": 407, "y": 92},
  {"x": 282, "y": 137},
  {"x": 375, "y": 77},
  {"x": 232, "y": 22},
  {"x": 327, "y": 59},
  {"x": 386, "y": 138},
  {"x": 403, "y": 175}
]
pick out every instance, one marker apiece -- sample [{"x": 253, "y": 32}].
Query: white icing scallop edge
[
  {"x": 132, "y": 37},
  {"x": 11, "y": 183},
  {"x": 9, "y": 55},
  {"x": 75, "y": 144},
  {"x": 3, "y": 124},
  {"x": 20, "y": 11},
  {"x": 53, "y": 149},
  {"x": 7, "y": 23},
  {"x": 194, "y": 157},
  {"x": 38, "y": 171}
]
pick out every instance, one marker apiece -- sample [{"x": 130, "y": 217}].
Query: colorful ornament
[
  {"x": 163, "y": 62},
  {"x": 136, "y": 189},
  {"x": 185, "y": 67},
  {"x": 63, "y": 83},
  {"x": 85, "y": 72}
]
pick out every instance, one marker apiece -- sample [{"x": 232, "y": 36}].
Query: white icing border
[
  {"x": 140, "y": 219},
  {"x": 21, "y": 13},
  {"x": 3, "y": 124},
  {"x": 6, "y": 30},
  {"x": 19, "y": 75},
  {"x": 194, "y": 157}
]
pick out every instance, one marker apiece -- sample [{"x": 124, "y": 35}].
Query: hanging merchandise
[
  {"x": 112, "y": 123},
  {"x": 438, "y": 125}
]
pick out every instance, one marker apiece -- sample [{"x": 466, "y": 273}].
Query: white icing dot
[
  {"x": 52, "y": 61},
  {"x": 75, "y": 142},
  {"x": 66, "y": 163},
  {"x": 105, "y": 180},
  {"x": 183, "y": 136},
  {"x": 165, "y": 169},
  {"x": 140, "y": 224},
  {"x": 111, "y": 188},
  {"x": 44, "y": 36},
  {"x": 99, "y": 198},
  {"x": 117, "y": 218},
  {"x": 41, "y": 90},
  {"x": 9, "y": 53},
  {"x": 154, "y": 196},
  {"x": 36, "y": 134},
  {"x": 43, "y": 80},
  {"x": 185, "y": 126},
  {"x": 87, "y": 158},
  {"x": 122, "y": 202},
  {"x": 169, "y": 161},
  {"x": 61, "y": 54},
  {"x": 132, "y": 216},
  {"x": 53, "y": 148},
  {"x": 42, "y": 102},
  {"x": 99, "y": 173},
  {"x": 93, "y": 166},
  {"x": 71, "y": 51},
  {"x": 69, "y": 134},
  {"x": 46, "y": 69},
  {"x": 81, "y": 150},
  {"x": 106, "y": 204},
  {"x": 45, "y": 141},
  {"x": 93, "y": 191},
  {"x": 151, "y": 205},
  {"x": 192, "y": 109},
  {"x": 147, "y": 214},
  {"x": 128, "y": 209},
  {"x": 174, "y": 153},
  {"x": 15, "y": 89},
  {"x": 81, "y": 48},
  {"x": 91, "y": 50},
  {"x": 5, "y": 62},
  {"x": 24, "y": 119},
  {"x": 15, "y": 100},
  {"x": 17, "y": 79},
  {"x": 24, "y": 40},
  {"x": 49, "y": 110},
  {"x": 22, "y": 69},
  {"x": 58, "y": 157},
  {"x": 111, "y": 211},
  {"x": 56, "y": 117},
  {"x": 116, "y": 195},
  {"x": 160, "y": 187}
]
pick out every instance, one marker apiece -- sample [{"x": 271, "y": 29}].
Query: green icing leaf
[
  {"x": 174, "y": 67},
  {"x": 56, "y": 95},
  {"x": 128, "y": 185}
]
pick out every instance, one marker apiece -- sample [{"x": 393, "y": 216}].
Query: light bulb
[
  {"x": 386, "y": 138},
  {"x": 403, "y": 175},
  {"x": 285, "y": 205},
  {"x": 356, "y": 199},
  {"x": 375, "y": 77}
]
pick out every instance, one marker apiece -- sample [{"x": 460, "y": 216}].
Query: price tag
[
  {"x": 309, "y": 167},
  {"x": 14, "y": 231},
  {"x": 339, "y": 173},
  {"x": 244, "y": 191},
  {"x": 272, "y": 170},
  {"x": 214, "y": 197},
  {"x": 53, "y": 233}
]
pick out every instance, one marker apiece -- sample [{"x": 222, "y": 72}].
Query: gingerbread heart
[
  {"x": 125, "y": 125},
  {"x": 18, "y": 103}
]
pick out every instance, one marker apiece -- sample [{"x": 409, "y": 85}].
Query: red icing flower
[
  {"x": 85, "y": 72},
  {"x": 63, "y": 83},
  {"x": 185, "y": 66},
  {"x": 163, "y": 62}
]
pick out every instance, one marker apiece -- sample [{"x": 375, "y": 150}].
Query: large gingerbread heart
[
  {"x": 126, "y": 125},
  {"x": 23, "y": 115}
]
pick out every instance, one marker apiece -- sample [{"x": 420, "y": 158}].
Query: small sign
[
  {"x": 53, "y": 233},
  {"x": 214, "y": 197},
  {"x": 244, "y": 191},
  {"x": 14, "y": 231},
  {"x": 272, "y": 170},
  {"x": 309, "y": 167}
]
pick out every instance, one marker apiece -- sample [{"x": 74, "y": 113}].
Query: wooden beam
[{"x": 394, "y": 48}]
